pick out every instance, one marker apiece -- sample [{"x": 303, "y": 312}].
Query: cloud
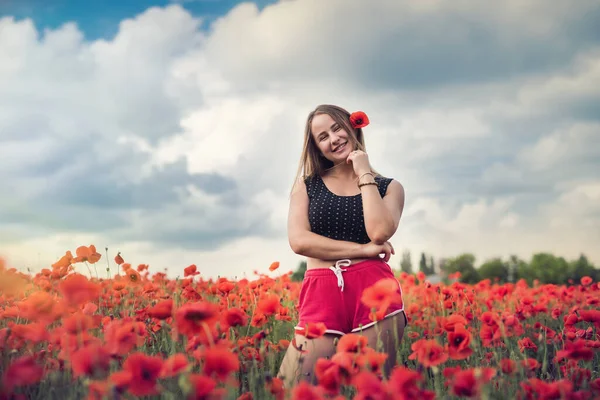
[
  {"x": 390, "y": 45},
  {"x": 177, "y": 146}
]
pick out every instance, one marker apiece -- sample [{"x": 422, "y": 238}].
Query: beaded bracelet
[{"x": 366, "y": 183}]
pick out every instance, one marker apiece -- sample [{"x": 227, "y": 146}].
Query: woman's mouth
[{"x": 339, "y": 148}]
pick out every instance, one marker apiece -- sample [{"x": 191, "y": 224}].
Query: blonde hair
[{"x": 311, "y": 160}]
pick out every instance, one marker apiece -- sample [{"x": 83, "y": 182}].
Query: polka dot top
[{"x": 338, "y": 217}]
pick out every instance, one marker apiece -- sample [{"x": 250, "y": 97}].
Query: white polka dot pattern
[{"x": 338, "y": 217}]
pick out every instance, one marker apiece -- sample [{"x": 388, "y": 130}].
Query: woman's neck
[{"x": 342, "y": 171}]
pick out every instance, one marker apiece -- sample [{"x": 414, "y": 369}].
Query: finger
[
  {"x": 391, "y": 248},
  {"x": 386, "y": 252}
]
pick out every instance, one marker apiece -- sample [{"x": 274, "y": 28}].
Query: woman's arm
[
  {"x": 309, "y": 244},
  {"x": 382, "y": 215}
]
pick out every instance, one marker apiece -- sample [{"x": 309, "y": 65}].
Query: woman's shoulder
[
  {"x": 385, "y": 182},
  {"x": 309, "y": 182}
]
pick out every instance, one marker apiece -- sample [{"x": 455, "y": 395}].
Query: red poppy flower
[
  {"x": 90, "y": 360},
  {"x": 508, "y": 366},
  {"x": 162, "y": 310},
  {"x": 191, "y": 317},
  {"x": 537, "y": 388},
  {"x": 352, "y": 343},
  {"x": 174, "y": 365},
  {"x": 274, "y": 265},
  {"x": 403, "y": 381},
  {"x": 348, "y": 363},
  {"x": 459, "y": 343},
  {"x": 23, "y": 371},
  {"x": 369, "y": 386},
  {"x": 235, "y": 317},
  {"x": 144, "y": 370},
  {"x": 467, "y": 383},
  {"x": 122, "y": 336},
  {"x": 313, "y": 330},
  {"x": 190, "y": 271},
  {"x": 452, "y": 320},
  {"x": 586, "y": 281},
  {"x": 372, "y": 360},
  {"x": 204, "y": 387},
  {"x": 359, "y": 119},
  {"x": 306, "y": 391},
  {"x": 77, "y": 289},
  {"x": 221, "y": 361},
  {"x": 428, "y": 352},
  {"x": 275, "y": 386},
  {"x": 269, "y": 304},
  {"x": 328, "y": 375},
  {"x": 577, "y": 350},
  {"x": 119, "y": 259},
  {"x": 88, "y": 254},
  {"x": 78, "y": 322},
  {"x": 380, "y": 296}
]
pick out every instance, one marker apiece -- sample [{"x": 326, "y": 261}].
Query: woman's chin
[
  {"x": 338, "y": 160},
  {"x": 339, "y": 157}
]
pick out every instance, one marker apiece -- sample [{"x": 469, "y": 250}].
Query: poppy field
[{"x": 122, "y": 331}]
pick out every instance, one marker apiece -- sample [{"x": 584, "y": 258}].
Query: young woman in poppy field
[{"x": 341, "y": 217}]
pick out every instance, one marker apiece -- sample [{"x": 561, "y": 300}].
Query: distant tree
[
  {"x": 431, "y": 266},
  {"x": 424, "y": 267},
  {"x": 406, "y": 263},
  {"x": 582, "y": 267},
  {"x": 465, "y": 264},
  {"x": 298, "y": 274},
  {"x": 550, "y": 269},
  {"x": 423, "y": 264},
  {"x": 494, "y": 269}
]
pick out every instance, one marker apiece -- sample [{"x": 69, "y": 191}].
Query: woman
[{"x": 342, "y": 214}]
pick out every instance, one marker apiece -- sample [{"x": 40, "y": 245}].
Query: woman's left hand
[{"x": 360, "y": 162}]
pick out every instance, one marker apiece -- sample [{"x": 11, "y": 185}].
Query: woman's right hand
[{"x": 373, "y": 250}]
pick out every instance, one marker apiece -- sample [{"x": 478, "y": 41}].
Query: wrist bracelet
[
  {"x": 366, "y": 173},
  {"x": 360, "y": 185}
]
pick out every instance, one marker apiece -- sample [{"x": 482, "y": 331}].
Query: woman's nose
[{"x": 334, "y": 137}]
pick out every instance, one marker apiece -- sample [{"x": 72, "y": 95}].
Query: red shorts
[{"x": 333, "y": 296}]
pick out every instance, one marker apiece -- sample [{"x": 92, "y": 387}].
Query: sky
[{"x": 171, "y": 131}]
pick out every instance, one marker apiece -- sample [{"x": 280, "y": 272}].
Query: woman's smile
[{"x": 339, "y": 148}]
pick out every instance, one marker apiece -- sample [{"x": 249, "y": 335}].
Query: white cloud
[
  {"x": 415, "y": 43},
  {"x": 577, "y": 208},
  {"x": 578, "y": 142}
]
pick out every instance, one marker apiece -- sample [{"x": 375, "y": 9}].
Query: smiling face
[
  {"x": 327, "y": 127},
  {"x": 331, "y": 138}
]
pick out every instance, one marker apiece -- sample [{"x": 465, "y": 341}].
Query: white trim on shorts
[
  {"x": 370, "y": 324},
  {"x": 298, "y": 328}
]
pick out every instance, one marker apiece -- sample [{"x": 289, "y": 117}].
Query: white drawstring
[{"x": 337, "y": 270}]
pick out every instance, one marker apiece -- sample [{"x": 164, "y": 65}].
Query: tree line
[{"x": 542, "y": 267}]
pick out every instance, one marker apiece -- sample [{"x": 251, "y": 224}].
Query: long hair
[{"x": 312, "y": 162}]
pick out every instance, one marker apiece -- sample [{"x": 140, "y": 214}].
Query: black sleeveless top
[{"x": 338, "y": 217}]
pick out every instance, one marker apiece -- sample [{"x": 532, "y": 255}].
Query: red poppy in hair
[{"x": 359, "y": 119}]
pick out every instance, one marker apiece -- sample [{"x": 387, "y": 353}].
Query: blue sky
[
  {"x": 149, "y": 130},
  {"x": 100, "y": 19}
]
